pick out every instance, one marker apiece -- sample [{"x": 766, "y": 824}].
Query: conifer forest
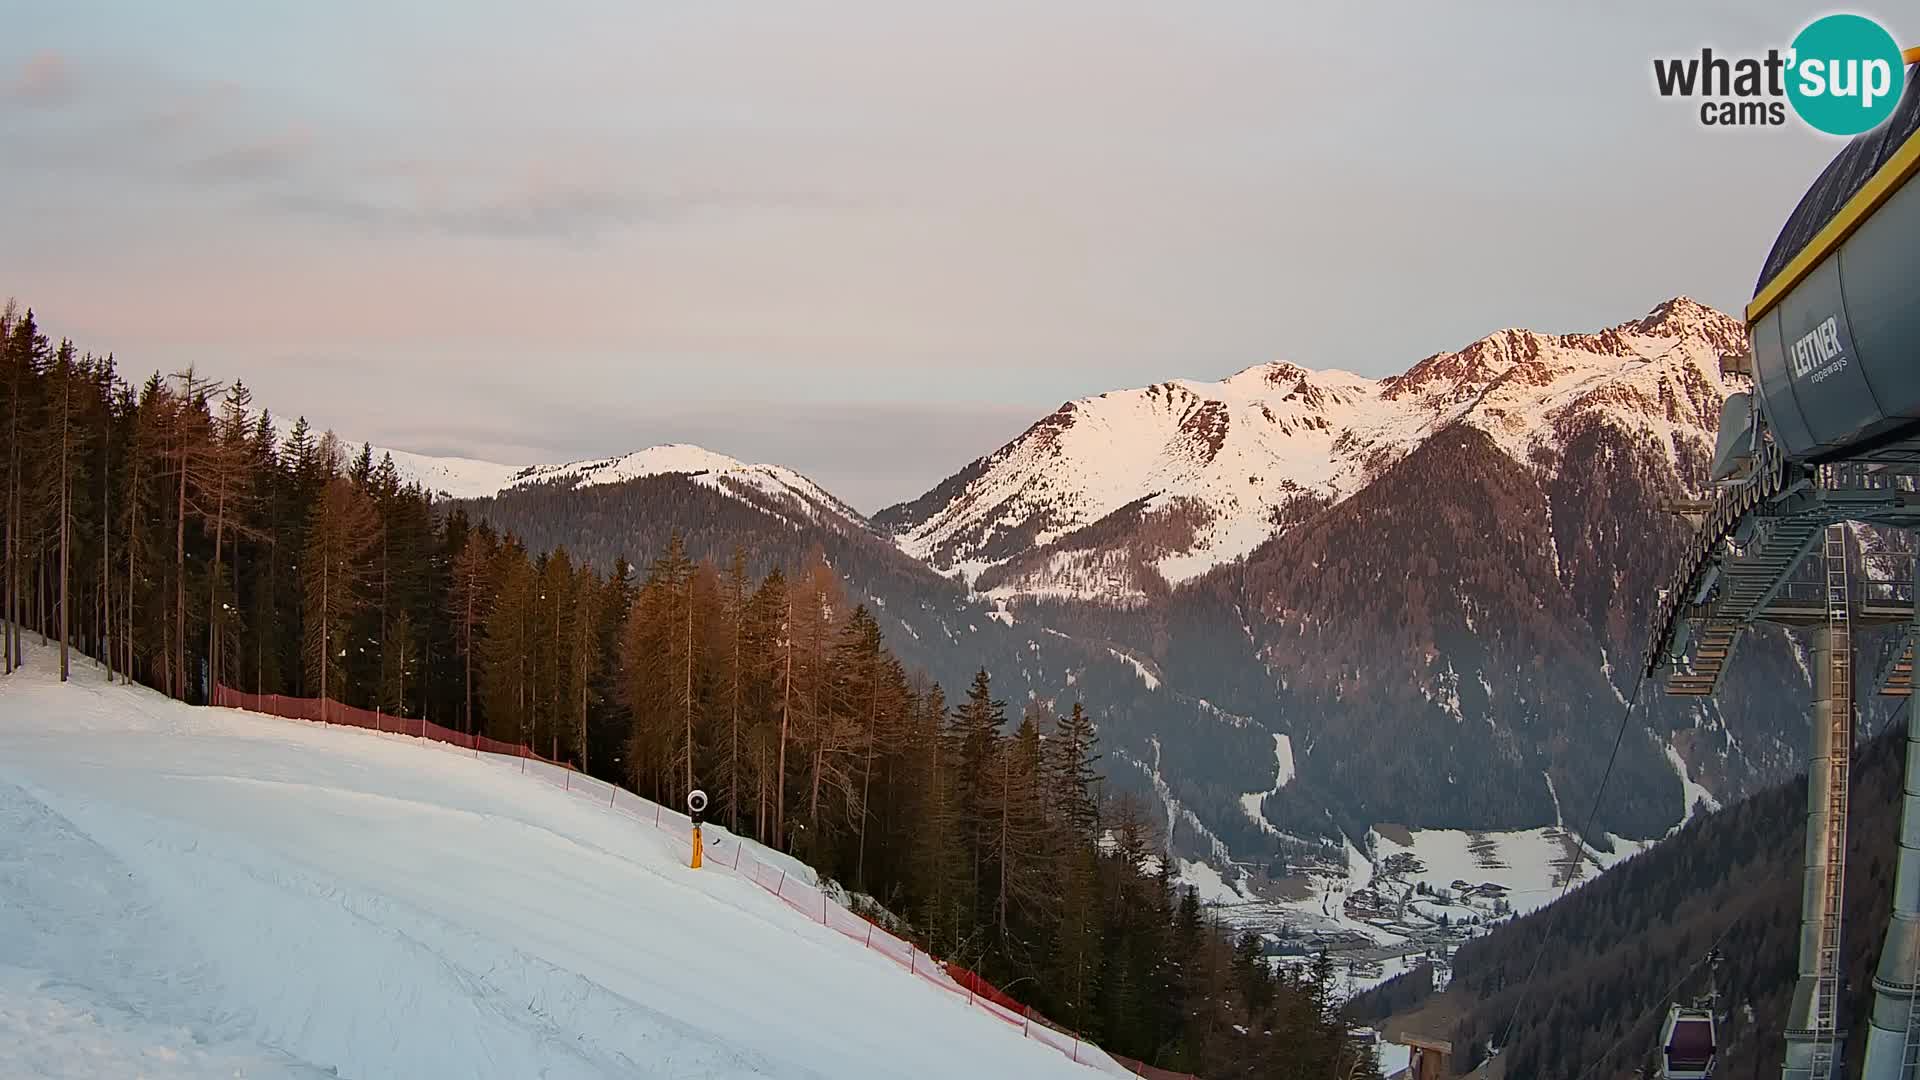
[{"x": 164, "y": 527}]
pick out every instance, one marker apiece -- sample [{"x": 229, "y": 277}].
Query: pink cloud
[{"x": 45, "y": 77}]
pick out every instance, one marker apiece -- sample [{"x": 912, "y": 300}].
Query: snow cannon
[
  {"x": 696, "y": 807},
  {"x": 1834, "y": 322}
]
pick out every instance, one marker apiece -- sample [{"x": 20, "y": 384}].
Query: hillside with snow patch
[
  {"x": 191, "y": 892},
  {"x": 1377, "y": 568},
  {"x": 775, "y": 488}
]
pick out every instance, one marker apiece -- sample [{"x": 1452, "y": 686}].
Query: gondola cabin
[{"x": 1687, "y": 1047}]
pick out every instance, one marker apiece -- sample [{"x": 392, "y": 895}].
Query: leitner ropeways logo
[
  {"x": 1820, "y": 352},
  {"x": 1843, "y": 75}
]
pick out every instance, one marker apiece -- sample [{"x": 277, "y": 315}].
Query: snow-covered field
[
  {"x": 201, "y": 892},
  {"x": 1412, "y": 903},
  {"x": 1529, "y": 863}
]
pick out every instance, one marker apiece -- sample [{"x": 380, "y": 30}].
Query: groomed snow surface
[{"x": 206, "y": 892}]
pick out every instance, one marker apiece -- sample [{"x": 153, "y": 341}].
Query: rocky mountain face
[
  {"x": 1435, "y": 584},
  {"x": 1118, "y": 497}
]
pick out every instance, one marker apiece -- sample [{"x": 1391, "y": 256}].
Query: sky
[{"x": 870, "y": 241}]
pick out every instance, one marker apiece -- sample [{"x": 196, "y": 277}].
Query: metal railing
[{"x": 1769, "y": 477}]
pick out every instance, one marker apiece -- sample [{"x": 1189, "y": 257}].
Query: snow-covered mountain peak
[
  {"x": 452, "y": 477},
  {"x": 1259, "y": 377},
  {"x": 683, "y": 458},
  {"x": 1516, "y": 354},
  {"x": 773, "y": 487},
  {"x": 1684, "y": 314},
  {"x": 1166, "y": 481}
]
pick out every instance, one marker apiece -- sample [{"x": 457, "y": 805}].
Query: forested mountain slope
[
  {"x": 1206, "y": 758},
  {"x": 1435, "y": 584},
  {"x": 1615, "y": 946},
  {"x": 1445, "y": 622},
  {"x": 167, "y": 533}
]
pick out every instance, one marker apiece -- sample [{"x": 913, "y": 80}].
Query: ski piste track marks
[
  {"x": 71, "y": 908},
  {"x": 182, "y": 904},
  {"x": 804, "y": 897},
  {"x": 555, "y": 1009}
]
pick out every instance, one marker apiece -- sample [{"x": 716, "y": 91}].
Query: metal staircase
[
  {"x": 1729, "y": 507},
  {"x": 1756, "y": 574},
  {"x": 1743, "y": 584},
  {"x": 1895, "y": 677},
  {"x": 1709, "y": 653},
  {"x": 1834, "y": 873}
]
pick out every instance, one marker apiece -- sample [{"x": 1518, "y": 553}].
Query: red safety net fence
[{"x": 726, "y": 853}]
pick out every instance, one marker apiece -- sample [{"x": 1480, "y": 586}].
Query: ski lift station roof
[{"x": 1834, "y": 323}]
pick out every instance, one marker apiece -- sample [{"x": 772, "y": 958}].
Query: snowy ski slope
[{"x": 195, "y": 892}]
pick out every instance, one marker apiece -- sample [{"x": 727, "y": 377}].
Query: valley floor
[
  {"x": 195, "y": 892},
  {"x": 1426, "y": 891}
]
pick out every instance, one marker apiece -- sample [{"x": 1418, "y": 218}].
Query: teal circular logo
[{"x": 1845, "y": 74}]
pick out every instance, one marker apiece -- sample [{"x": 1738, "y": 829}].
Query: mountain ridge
[
  {"x": 1486, "y": 379},
  {"x": 1207, "y": 472},
  {"x": 1558, "y": 446}
]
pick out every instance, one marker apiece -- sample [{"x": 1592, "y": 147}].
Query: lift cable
[
  {"x": 1892, "y": 720},
  {"x": 1585, "y": 831},
  {"x": 1663, "y": 999}
]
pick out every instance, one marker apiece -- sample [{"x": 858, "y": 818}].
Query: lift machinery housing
[{"x": 1828, "y": 436}]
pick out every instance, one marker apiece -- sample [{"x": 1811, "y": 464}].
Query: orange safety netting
[{"x": 724, "y": 852}]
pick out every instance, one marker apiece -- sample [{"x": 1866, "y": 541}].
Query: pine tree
[
  {"x": 288, "y": 499},
  {"x": 142, "y": 498},
  {"x": 117, "y": 408},
  {"x": 584, "y": 601},
  {"x": 227, "y": 459},
  {"x": 611, "y": 724},
  {"x": 658, "y": 657},
  {"x": 826, "y": 732},
  {"x": 26, "y": 356},
  {"x": 768, "y": 670},
  {"x": 977, "y": 724},
  {"x": 340, "y": 532},
  {"x": 469, "y": 600},
  {"x": 1074, "y": 781},
  {"x": 787, "y": 644},
  {"x": 190, "y": 455},
  {"x": 505, "y": 650},
  {"x": 1016, "y": 844},
  {"x": 734, "y": 682},
  {"x": 1073, "y": 964},
  {"x": 399, "y": 674},
  {"x": 557, "y": 647},
  {"x": 867, "y": 702},
  {"x": 64, "y": 376},
  {"x": 9, "y": 319}
]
